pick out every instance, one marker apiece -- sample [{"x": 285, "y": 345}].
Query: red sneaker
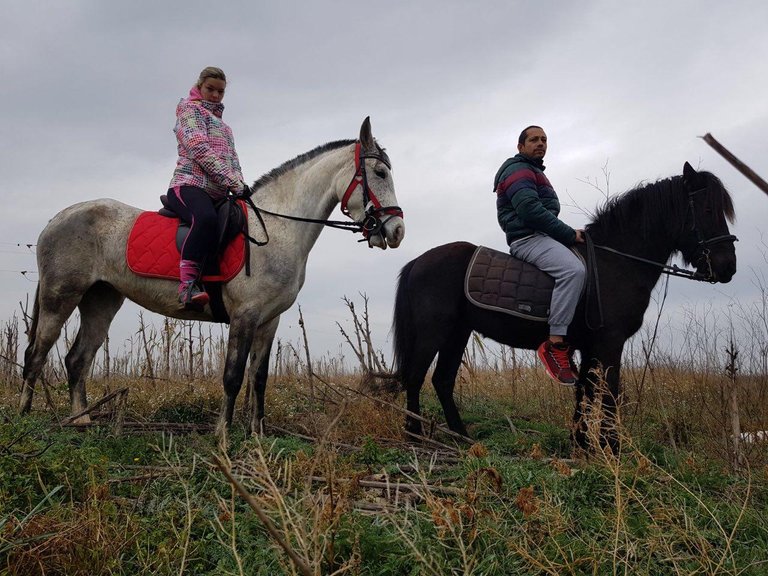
[{"x": 557, "y": 361}]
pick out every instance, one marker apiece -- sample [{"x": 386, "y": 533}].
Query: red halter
[{"x": 372, "y": 223}]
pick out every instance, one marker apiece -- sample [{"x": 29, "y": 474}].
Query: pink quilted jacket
[{"x": 207, "y": 157}]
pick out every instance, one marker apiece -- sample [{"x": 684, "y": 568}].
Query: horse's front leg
[
  {"x": 259, "y": 372},
  {"x": 241, "y": 334},
  {"x": 611, "y": 400},
  {"x": 603, "y": 377},
  {"x": 585, "y": 396}
]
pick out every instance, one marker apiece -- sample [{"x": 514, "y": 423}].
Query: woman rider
[{"x": 206, "y": 171}]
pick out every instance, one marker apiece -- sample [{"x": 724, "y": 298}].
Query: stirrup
[{"x": 191, "y": 295}]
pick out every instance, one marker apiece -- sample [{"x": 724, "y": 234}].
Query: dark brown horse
[{"x": 686, "y": 214}]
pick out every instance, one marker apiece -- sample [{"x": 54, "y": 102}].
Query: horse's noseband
[
  {"x": 372, "y": 223},
  {"x": 701, "y": 257}
]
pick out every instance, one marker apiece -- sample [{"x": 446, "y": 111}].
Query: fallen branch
[
  {"x": 173, "y": 427},
  {"x": 140, "y": 478},
  {"x": 398, "y": 486},
  {"x": 309, "y": 438},
  {"x": 95, "y": 405},
  {"x": 371, "y": 507},
  {"x": 736, "y": 163},
  {"x": 432, "y": 442}
]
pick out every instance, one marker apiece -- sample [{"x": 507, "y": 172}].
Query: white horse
[{"x": 82, "y": 264}]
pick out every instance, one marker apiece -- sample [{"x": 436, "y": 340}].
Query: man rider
[{"x": 527, "y": 210}]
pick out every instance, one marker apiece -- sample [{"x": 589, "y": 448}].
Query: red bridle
[{"x": 372, "y": 222}]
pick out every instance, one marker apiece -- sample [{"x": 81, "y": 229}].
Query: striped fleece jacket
[
  {"x": 207, "y": 157},
  {"x": 527, "y": 203}
]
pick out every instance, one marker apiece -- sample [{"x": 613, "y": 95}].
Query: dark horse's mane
[
  {"x": 667, "y": 200},
  {"x": 289, "y": 165}
]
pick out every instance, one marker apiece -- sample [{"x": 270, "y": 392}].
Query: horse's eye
[{"x": 380, "y": 173}]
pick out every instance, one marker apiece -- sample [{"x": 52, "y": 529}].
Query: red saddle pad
[{"x": 151, "y": 250}]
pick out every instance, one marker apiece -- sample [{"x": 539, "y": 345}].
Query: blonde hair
[{"x": 211, "y": 72}]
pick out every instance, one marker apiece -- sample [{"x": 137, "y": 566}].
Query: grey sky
[{"x": 89, "y": 91}]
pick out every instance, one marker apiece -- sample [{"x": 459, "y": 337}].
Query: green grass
[{"x": 88, "y": 502}]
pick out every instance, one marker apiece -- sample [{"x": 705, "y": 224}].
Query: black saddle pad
[{"x": 497, "y": 281}]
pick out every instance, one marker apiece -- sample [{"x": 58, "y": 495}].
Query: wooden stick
[
  {"x": 398, "y": 486},
  {"x": 421, "y": 438},
  {"x": 121, "y": 408},
  {"x": 371, "y": 507},
  {"x": 309, "y": 438},
  {"x": 736, "y": 163},
  {"x": 95, "y": 405},
  {"x": 140, "y": 478},
  {"x": 174, "y": 427}
]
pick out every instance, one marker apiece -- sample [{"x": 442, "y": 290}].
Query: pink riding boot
[{"x": 189, "y": 292}]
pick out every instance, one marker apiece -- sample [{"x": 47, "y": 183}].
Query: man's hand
[
  {"x": 245, "y": 192},
  {"x": 580, "y": 236}
]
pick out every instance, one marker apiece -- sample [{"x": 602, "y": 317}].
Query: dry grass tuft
[{"x": 83, "y": 539}]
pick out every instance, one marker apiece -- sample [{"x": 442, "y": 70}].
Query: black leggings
[{"x": 195, "y": 207}]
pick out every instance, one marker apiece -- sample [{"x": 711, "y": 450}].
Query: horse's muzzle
[{"x": 389, "y": 233}]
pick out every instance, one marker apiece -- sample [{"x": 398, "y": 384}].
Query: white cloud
[{"x": 89, "y": 91}]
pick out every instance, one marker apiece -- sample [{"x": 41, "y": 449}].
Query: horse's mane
[
  {"x": 667, "y": 199},
  {"x": 273, "y": 174}
]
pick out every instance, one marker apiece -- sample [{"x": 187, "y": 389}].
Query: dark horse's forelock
[
  {"x": 668, "y": 198},
  {"x": 289, "y": 165}
]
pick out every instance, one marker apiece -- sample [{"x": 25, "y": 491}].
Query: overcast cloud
[{"x": 89, "y": 90}]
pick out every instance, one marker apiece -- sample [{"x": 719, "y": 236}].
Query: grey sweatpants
[{"x": 564, "y": 266}]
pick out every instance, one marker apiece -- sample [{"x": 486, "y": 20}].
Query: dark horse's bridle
[
  {"x": 702, "y": 247},
  {"x": 701, "y": 253},
  {"x": 371, "y": 224}
]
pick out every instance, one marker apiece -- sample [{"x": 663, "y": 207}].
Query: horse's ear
[
  {"x": 689, "y": 173},
  {"x": 366, "y": 137}
]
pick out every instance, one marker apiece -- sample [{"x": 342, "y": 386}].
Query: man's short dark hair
[{"x": 524, "y": 133}]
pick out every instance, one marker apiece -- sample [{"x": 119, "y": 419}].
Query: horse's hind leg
[
  {"x": 50, "y": 313},
  {"x": 424, "y": 351},
  {"x": 97, "y": 310},
  {"x": 444, "y": 378}
]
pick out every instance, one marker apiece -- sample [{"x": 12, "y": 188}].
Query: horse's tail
[
  {"x": 402, "y": 325},
  {"x": 32, "y": 329}
]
